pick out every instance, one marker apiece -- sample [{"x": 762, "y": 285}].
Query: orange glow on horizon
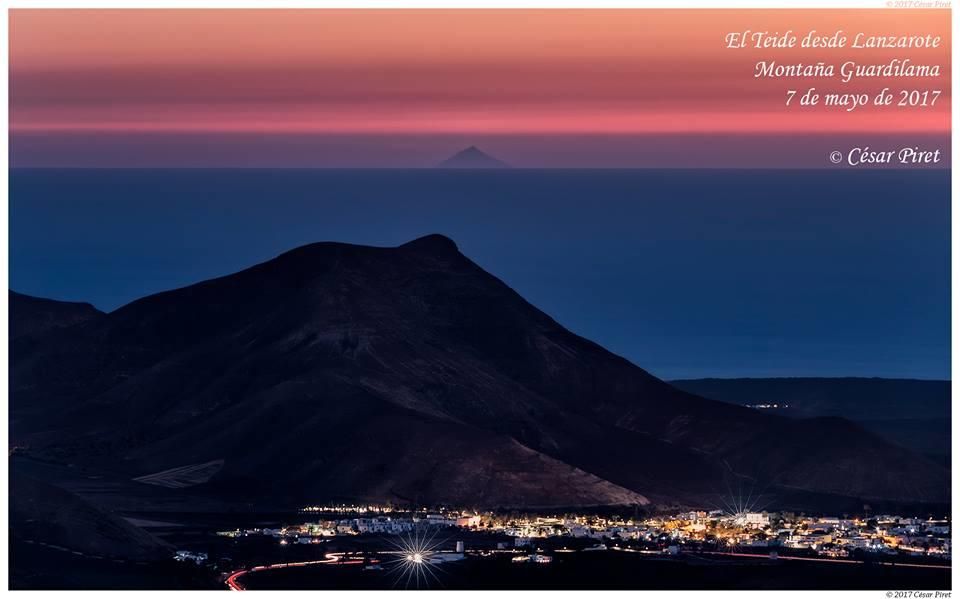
[{"x": 440, "y": 71}]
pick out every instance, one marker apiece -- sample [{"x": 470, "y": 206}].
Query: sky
[{"x": 402, "y": 88}]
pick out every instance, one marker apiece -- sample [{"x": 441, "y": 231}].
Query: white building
[{"x": 752, "y": 519}]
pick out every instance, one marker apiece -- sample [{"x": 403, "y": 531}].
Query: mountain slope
[
  {"x": 408, "y": 372},
  {"x": 42, "y": 513},
  {"x": 854, "y": 398},
  {"x": 33, "y": 315},
  {"x": 911, "y": 413}
]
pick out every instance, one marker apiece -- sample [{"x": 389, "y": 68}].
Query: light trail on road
[{"x": 233, "y": 581}]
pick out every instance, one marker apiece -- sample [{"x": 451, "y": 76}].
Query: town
[{"x": 757, "y": 532}]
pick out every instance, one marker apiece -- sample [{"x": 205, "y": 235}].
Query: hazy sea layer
[{"x": 686, "y": 272}]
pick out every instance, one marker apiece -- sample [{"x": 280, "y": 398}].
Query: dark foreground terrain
[
  {"x": 613, "y": 570},
  {"x": 36, "y": 567}
]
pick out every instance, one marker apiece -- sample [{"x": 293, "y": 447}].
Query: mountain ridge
[
  {"x": 913, "y": 413},
  {"x": 420, "y": 367},
  {"x": 32, "y": 315}
]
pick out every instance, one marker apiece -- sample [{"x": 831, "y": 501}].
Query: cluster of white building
[
  {"x": 829, "y": 536},
  {"x": 315, "y": 532},
  {"x": 196, "y": 557}
]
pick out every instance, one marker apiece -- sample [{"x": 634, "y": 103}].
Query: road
[{"x": 233, "y": 581}]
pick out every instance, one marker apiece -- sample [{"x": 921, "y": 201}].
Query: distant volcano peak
[{"x": 472, "y": 157}]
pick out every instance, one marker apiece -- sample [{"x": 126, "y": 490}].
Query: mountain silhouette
[
  {"x": 921, "y": 424},
  {"x": 472, "y": 157},
  {"x": 31, "y": 315},
  {"x": 408, "y": 373}
]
